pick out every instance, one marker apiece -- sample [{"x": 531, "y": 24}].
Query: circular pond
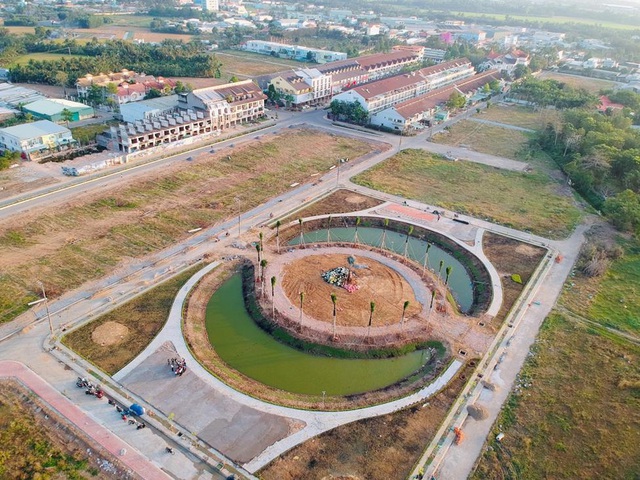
[
  {"x": 460, "y": 283},
  {"x": 244, "y": 346}
]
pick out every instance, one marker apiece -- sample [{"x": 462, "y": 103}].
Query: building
[
  {"x": 200, "y": 112},
  {"x": 293, "y": 52},
  {"x": 424, "y": 108},
  {"x": 37, "y": 139},
  {"x": 51, "y": 109},
  {"x": 211, "y": 5},
  {"x": 13, "y": 96},
  {"x": 379, "y": 95},
  {"x": 129, "y": 85},
  {"x": 307, "y": 86}
]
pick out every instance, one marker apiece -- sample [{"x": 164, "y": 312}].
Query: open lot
[
  {"x": 114, "y": 339},
  {"x": 491, "y": 139},
  {"x": 43, "y": 57},
  {"x": 526, "y": 201},
  {"x": 521, "y": 116},
  {"x": 88, "y": 237},
  {"x": 574, "y": 412},
  {"x": 593, "y": 85},
  {"x": 252, "y": 64},
  {"x": 545, "y": 19}
]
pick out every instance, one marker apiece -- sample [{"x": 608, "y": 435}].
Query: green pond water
[
  {"x": 460, "y": 283},
  {"x": 247, "y": 348}
]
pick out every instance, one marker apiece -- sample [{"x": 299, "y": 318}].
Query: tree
[
  {"x": 66, "y": 115},
  {"x": 440, "y": 268},
  {"x": 234, "y": 79},
  {"x": 372, "y": 308},
  {"x": 334, "y": 300},
  {"x": 258, "y": 249},
  {"x": 405, "y": 305},
  {"x": 355, "y": 237},
  {"x": 301, "y": 302},
  {"x": 384, "y": 233},
  {"x": 426, "y": 259},
  {"x": 624, "y": 211},
  {"x": 263, "y": 265},
  {"x": 406, "y": 241},
  {"x": 300, "y": 221},
  {"x": 278, "y": 223},
  {"x": 273, "y": 297},
  {"x": 153, "y": 93},
  {"x": 521, "y": 71},
  {"x": 447, "y": 273},
  {"x": 62, "y": 79},
  {"x": 456, "y": 101}
]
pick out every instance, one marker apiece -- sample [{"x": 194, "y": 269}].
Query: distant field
[
  {"x": 593, "y": 85},
  {"x": 252, "y": 64},
  {"x": 532, "y": 202},
  {"x": 484, "y": 138},
  {"x": 43, "y": 56},
  {"x": 20, "y": 30},
  {"x": 130, "y": 20},
  {"x": 559, "y": 20},
  {"x": 521, "y": 116}
]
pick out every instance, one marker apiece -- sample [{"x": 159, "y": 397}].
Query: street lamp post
[
  {"x": 46, "y": 306},
  {"x": 323, "y": 395},
  {"x": 338, "y": 173}
]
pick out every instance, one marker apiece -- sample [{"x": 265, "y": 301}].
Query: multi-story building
[
  {"x": 379, "y": 95},
  {"x": 211, "y": 5},
  {"x": 424, "y": 107},
  {"x": 203, "y": 111},
  {"x": 294, "y": 52},
  {"x": 307, "y": 86},
  {"x": 37, "y": 139},
  {"x": 129, "y": 86}
]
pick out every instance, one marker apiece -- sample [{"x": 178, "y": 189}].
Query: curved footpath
[
  {"x": 121, "y": 450},
  {"x": 314, "y": 422}
]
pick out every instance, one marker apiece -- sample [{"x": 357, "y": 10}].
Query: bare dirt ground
[
  {"x": 376, "y": 282},
  {"x": 36, "y": 443},
  {"x": 110, "y": 333}
]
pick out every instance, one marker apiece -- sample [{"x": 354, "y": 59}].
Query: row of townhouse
[
  {"x": 424, "y": 108},
  {"x": 130, "y": 86},
  {"x": 379, "y": 95},
  {"x": 202, "y": 111},
  {"x": 317, "y": 85}
]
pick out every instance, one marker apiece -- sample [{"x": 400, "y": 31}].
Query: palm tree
[
  {"x": 404, "y": 310},
  {"x": 301, "y": 302},
  {"x": 329, "y": 229},
  {"x": 300, "y": 221},
  {"x": 355, "y": 237},
  {"x": 384, "y": 233},
  {"x": 440, "y": 268},
  {"x": 261, "y": 245},
  {"x": 263, "y": 265},
  {"x": 448, "y": 272},
  {"x": 334, "y": 299},
  {"x": 372, "y": 308},
  {"x": 426, "y": 259},
  {"x": 278, "y": 235},
  {"x": 258, "y": 249},
  {"x": 66, "y": 115},
  {"x": 273, "y": 295},
  {"x": 433, "y": 297},
  {"x": 406, "y": 241}
]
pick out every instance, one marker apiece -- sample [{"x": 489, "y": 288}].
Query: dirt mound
[
  {"x": 376, "y": 282},
  {"x": 109, "y": 333},
  {"x": 477, "y": 412},
  {"x": 355, "y": 199}
]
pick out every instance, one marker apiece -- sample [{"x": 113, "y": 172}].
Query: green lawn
[
  {"x": 532, "y": 202},
  {"x": 521, "y": 116},
  {"x": 43, "y": 56}
]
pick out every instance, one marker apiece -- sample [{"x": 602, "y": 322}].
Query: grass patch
[
  {"x": 252, "y": 64},
  {"x": 144, "y": 316},
  {"x": 380, "y": 448},
  {"x": 490, "y": 139},
  {"x": 87, "y": 133},
  {"x": 593, "y": 85},
  {"x": 521, "y": 116},
  {"x": 573, "y": 413},
  {"x": 21, "y": 60},
  {"x": 90, "y": 236},
  {"x": 527, "y": 201},
  {"x": 613, "y": 299}
]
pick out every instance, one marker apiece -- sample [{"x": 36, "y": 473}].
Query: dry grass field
[
  {"x": 90, "y": 236},
  {"x": 593, "y": 85},
  {"x": 521, "y": 116},
  {"x": 527, "y": 201}
]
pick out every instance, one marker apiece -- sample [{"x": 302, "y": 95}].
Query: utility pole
[
  {"x": 46, "y": 306},
  {"x": 338, "y": 172}
]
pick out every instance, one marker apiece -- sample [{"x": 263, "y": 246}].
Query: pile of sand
[
  {"x": 477, "y": 412},
  {"x": 110, "y": 333}
]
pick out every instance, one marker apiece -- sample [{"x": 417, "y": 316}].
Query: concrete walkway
[{"x": 124, "y": 452}]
